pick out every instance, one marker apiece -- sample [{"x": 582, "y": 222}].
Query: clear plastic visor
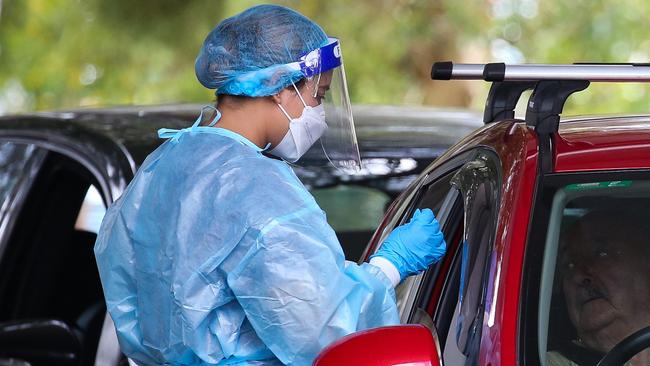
[{"x": 339, "y": 142}]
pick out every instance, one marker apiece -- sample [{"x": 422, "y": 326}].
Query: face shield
[{"x": 323, "y": 69}]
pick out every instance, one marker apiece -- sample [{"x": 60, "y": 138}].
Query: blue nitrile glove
[{"x": 414, "y": 246}]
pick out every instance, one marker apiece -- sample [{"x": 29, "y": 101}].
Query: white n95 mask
[{"x": 303, "y": 132}]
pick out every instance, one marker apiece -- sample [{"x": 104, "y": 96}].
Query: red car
[{"x": 548, "y": 235}]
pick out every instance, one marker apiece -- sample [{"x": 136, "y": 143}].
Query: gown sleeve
[{"x": 297, "y": 290}]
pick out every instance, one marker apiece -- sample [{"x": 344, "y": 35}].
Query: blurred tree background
[{"x": 62, "y": 54}]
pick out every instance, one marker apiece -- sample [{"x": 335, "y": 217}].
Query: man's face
[{"x": 606, "y": 280}]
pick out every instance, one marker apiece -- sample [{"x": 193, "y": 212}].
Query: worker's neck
[{"x": 247, "y": 122}]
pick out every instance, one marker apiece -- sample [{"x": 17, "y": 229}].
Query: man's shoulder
[{"x": 554, "y": 358}]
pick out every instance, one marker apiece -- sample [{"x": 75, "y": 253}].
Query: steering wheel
[{"x": 627, "y": 348}]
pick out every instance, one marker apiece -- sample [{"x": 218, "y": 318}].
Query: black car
[{"x": 60, "y": 170}]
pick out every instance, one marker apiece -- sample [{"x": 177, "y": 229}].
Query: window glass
[
  {"x": 435, "y": 194},
  {"x": 432, "y": 197},
  {"x": 15, "y": 161},
  {"x": 354, "y": 212},
  {"x": 18, "y": 166},
  {"x": 595, "y": 286},
  {"x": 47, "y": 267},
  {"x": 350, "y": 207},
  {"x": 478, "y": 182}
]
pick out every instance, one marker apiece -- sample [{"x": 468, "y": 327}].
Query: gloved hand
[{"x": 414, "y": 246}]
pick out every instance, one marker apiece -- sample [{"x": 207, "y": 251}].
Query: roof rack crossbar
[
  {"x": 530, "y": 72},
  {"x": 448, "y": 70},
  {"x": 594, "y": 73},
  {"x": 503, "y": 98}
]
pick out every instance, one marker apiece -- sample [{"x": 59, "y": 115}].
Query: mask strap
[
  {"x": 299, "y": 95},
  {"x": 301, "y": 99},
  {"x": 285, "y": 112}
]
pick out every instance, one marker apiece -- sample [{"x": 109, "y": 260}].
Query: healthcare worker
[{"x": 216, "y": 254}]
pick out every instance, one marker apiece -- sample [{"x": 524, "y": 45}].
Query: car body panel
[
  {"x": 603, "y": 144},
  {"x": 104, "y": 157}
]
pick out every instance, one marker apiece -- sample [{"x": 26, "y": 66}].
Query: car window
[
  {"x": 466, "y": 287},
  {"x": 595, "y": 285},
  {"x": 48, "y": 269},
  {"x": 354, "y": 212},
  {"x": 478, "y": 183},
  {"x": 14, "y": 158},
  {"x": 18, "y": 165},
  {"x": 431, "y": 196}
]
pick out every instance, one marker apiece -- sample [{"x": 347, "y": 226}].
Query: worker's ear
[
  {"x": 275, "y": 98},
  {"x": 284, "y": 96}
]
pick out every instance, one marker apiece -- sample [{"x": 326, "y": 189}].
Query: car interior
[
  {"x": 556, "y": 331},
  {"x": 49, "y": 284},
  {"x": 353, "y": 211}
]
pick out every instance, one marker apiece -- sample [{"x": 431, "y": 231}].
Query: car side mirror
[
  {"x": 40, "y": 342},
  {"x": 412, "y": 345}
]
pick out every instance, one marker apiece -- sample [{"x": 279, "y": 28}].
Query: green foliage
[{"x": 69, "y": 53}]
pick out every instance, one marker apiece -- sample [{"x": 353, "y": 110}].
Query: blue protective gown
[{"x": 216, "y": 254}]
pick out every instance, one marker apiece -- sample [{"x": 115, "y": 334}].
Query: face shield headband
[{"x": 321, "y": 59}]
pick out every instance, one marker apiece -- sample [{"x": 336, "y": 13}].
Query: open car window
[
  {"x": 595, "y": 286},
  {"x": 478, "y": 182},
  {"x": 354, "y": 212}
]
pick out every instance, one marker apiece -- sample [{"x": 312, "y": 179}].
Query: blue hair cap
[{"x": 254, "y": 53}]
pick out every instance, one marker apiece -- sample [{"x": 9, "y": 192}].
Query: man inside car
[{"x": 605, "y": 279}]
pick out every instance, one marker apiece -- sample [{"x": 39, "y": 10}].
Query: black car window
[
  {"x": 354, "y": 212},
  {"x": 433, "y": 197},
  {"x": 435, "y": 194},
  {"x": 18, "y": 165},
  {"x": 48, "y": 269}
]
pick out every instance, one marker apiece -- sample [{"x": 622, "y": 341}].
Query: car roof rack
[{"x": 552, "y": 85}]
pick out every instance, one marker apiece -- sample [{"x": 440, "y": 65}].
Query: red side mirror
[{"x": 412, "y": 345}]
